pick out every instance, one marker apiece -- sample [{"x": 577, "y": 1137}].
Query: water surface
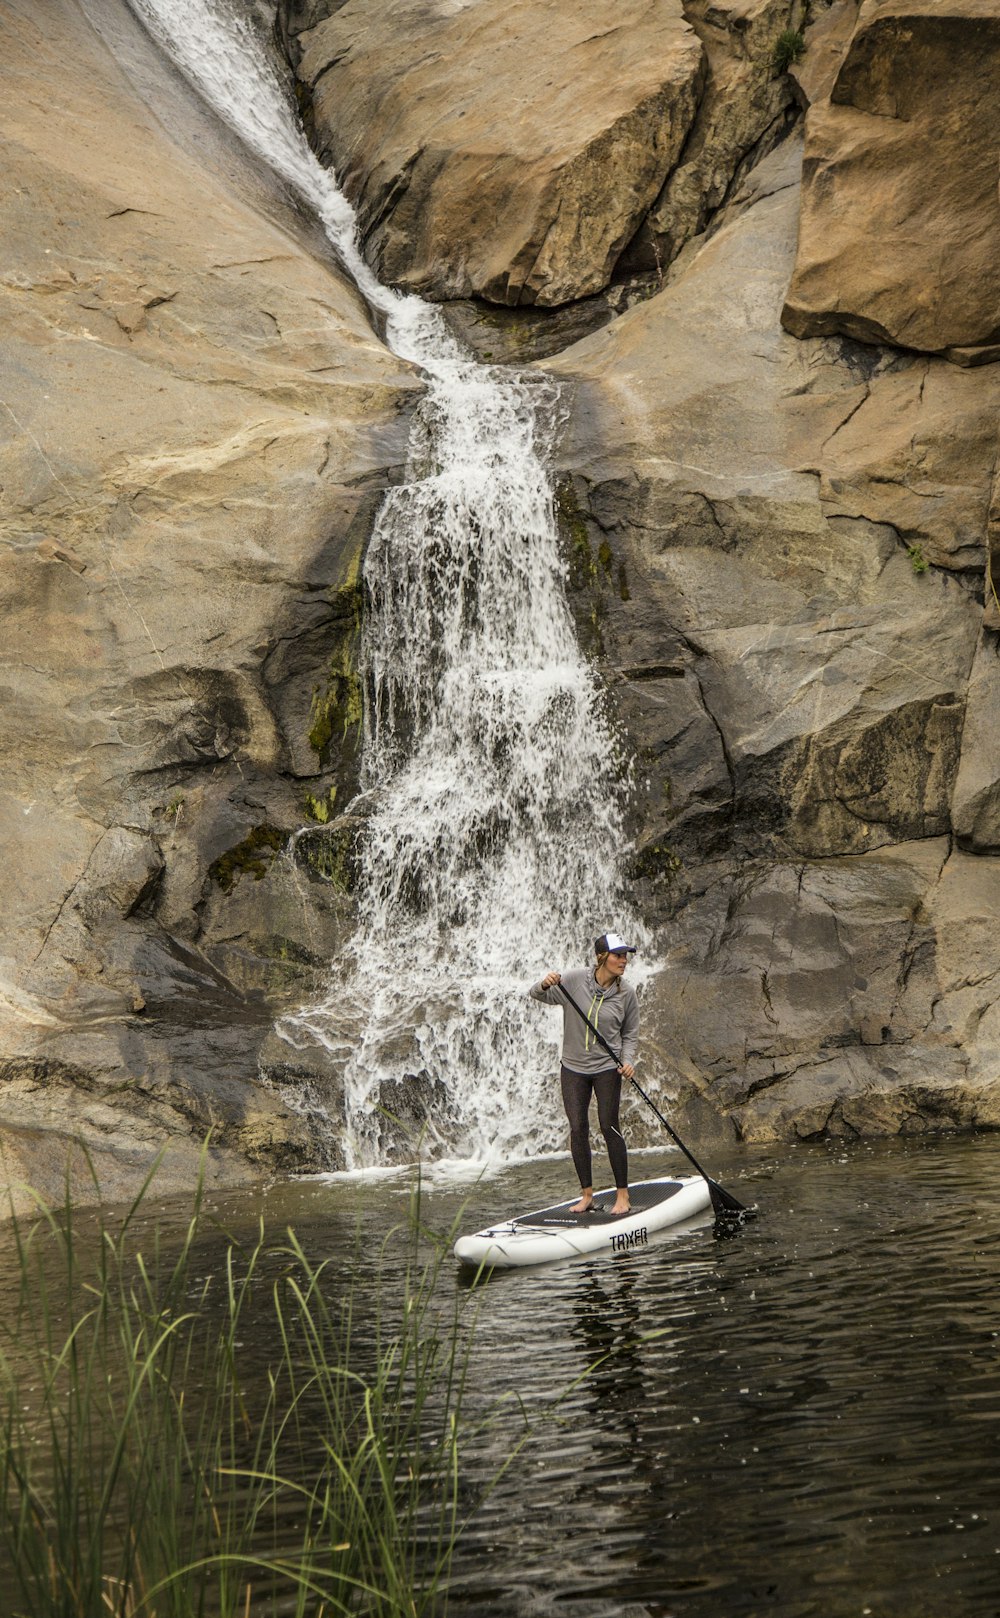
[{"x": 801, "y": 1420}]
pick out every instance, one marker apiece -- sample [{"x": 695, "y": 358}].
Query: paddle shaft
[{"x": 728, "y": 1201}]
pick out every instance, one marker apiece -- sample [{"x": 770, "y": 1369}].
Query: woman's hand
[
  {"x": 551, "y": 979},
  {"x": 626, "y": 1070}
]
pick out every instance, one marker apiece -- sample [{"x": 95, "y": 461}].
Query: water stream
[{"x": 492, "y": 781}]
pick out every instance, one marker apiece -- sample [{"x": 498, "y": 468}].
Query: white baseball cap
[{"x": 612, "y": 944}]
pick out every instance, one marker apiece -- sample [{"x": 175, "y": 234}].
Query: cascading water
[{"x": 493, "y": 838}]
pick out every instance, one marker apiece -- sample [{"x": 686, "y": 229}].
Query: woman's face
[{"x": 616, "y": 963}]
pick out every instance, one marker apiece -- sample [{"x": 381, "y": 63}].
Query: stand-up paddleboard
[{"x": 554, "y": 1233}]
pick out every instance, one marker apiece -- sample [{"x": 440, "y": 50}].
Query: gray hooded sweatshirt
[{"x": 615, "y": 1010}]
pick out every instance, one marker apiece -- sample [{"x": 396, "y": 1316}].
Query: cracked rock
[
  {"x": 901, "y": 156},
  {"x": 502, "y": 152}
]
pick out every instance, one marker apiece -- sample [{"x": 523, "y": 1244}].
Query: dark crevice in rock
[{"x": 848, "y": 416}]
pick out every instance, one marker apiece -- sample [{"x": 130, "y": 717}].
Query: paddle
[{"x": 725, "y": 1204}]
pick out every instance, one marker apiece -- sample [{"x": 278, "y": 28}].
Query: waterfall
[{"x": 493, "y": 794}]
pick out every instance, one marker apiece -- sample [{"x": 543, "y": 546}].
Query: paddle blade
[{"x": 727, "y": 1206}]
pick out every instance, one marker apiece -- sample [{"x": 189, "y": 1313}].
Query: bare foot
[
  {"x": 622, "y": 1204},
  {"x": 584, "y": 1205}
]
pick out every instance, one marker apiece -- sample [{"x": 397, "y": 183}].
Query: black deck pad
[{"x": 647, "y": 1194}]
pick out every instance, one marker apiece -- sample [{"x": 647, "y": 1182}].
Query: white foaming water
[{"x": 493, "y": 839}]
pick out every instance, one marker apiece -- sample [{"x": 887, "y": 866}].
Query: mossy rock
[
  {"x": 254, "y": 857},
  {"x": 337, "y": 703},
  {"x": 320, "y": 809},
  {"x": 583, "y": 574},
  {"x": 657, "y": 862},
  {"x": 332, "y": 852},
  {"x": 591, "y": 571}
]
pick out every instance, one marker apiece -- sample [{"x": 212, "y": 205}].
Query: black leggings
[{"x": 577, "y": 1089}]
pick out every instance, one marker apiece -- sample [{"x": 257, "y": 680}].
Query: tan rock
[
  {"x": 196, "y": 419},
  {"x": 743, "y": 108},
  {"x": 795, "y": 690},
  {"x": 827, "y": 35},
  {"x": 826, "y": 679},
  {"x": 976, "y": 803},
  {"x": 961, "y": 1000},
  {"x": 991, "y": 616},
  {"x": 691, "y": 385},
  {"x": 915, "y": 448},
  {"x": 183, "y": 568},
  {"x": 120, "y": 874},
  {"x": 508, "y": 152},
  {"x": 900, "y": 229}
]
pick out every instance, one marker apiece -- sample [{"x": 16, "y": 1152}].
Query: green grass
[
  {"x": 155, "y": 1465},
  {"x": 787, "y": 48}
]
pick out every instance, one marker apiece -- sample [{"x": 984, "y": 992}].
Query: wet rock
[
  {"x": 505, "y": 153},
  {"x": 505, "y": 336},
  {"x": 296, "y": 17},
  {"x": 901, "y": 156},
  {"x": 277, "y": 932},
  {"x": 406, "y": 1108}
]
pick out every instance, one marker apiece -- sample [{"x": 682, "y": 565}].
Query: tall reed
[{"x": 147, "y": 1474}]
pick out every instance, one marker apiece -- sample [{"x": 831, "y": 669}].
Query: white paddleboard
[{"x": 555, "y": 1233}]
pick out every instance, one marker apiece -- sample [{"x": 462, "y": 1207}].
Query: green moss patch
[
  {"x": 288, "y": 951},
  {"x": 253, "y": 857},
  {"x": 337, "y": 703},
  {"x": 320, "y": 809},
  {"x": 332, "y": 854},
  {"x": 657, "y": 862},
  {"x": 573, "y": 527}
]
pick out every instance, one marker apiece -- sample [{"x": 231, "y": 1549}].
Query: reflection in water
[{"x": 608, "y": 1316}]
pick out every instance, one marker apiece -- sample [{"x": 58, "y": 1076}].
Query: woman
[{"x": 612, "y": 1007}]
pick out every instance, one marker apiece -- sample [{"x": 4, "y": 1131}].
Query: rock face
[
  {"x": 197, "y": 421},
  {"x": 861, "y": 995},
  {"x": 523, "y": 156},
  {"x": 506, "y": 152},
  {"x": 782, "y": 544},
  {"x": 790, "y": 611},
  {"x": 976, "y": 806},
  {"x": 743, "y": 112},
  {"x": 901, "y": 156}
]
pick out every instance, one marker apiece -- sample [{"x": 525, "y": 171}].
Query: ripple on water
[{"x": 802, "y": 1422}]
